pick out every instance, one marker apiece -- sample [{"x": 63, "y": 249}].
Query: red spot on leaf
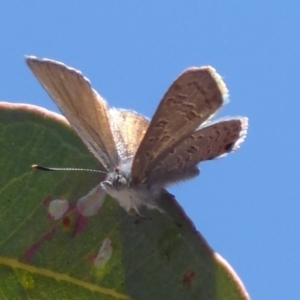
[
  {"x": 82, "y": 223},
  {"x": 32, "y": 250},
  {"x": 73, "y": 221},
  {"x": 90, "y": 259},
  {"x": 188, "y": 278},
  {"x": 69, "y": 221},
  {"x": 66, "y": 221},
  {"x": 47, "y": 201},
  {"x": 29, "y": 253}
]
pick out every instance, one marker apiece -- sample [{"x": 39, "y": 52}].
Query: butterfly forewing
[
  {"x": 128, "y": 128},
  {"x": 86, "y": 111},
  {"x": 192, "y": 99},
  {"x": 209, "y": 142}
]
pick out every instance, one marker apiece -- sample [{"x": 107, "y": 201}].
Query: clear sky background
[{"x": 246, "y": 205}]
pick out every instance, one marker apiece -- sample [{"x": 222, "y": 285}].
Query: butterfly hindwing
[
  {"x": 128, "y": 128},
  {"x": 209, "y": 142}
]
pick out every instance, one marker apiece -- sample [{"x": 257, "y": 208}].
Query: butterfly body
[
  {"x": 142, "y": 157},
  {"x": 131, "y": 197}
]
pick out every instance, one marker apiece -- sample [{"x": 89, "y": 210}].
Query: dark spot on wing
[{"x": 229, "y": 147}]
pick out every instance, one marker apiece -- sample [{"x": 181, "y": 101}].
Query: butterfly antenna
[{"x": 42, "y": 168}]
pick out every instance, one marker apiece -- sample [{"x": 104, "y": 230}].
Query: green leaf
[{"x": 108, "y": 255}]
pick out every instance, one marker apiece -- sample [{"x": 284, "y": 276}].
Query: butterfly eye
[{"x": 121, "y": 182}]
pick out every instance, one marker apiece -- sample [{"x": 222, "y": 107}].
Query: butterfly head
[{"x": 115, "y": 182}]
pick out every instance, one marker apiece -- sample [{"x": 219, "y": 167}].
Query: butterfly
[{"x": 143, "y": 157}]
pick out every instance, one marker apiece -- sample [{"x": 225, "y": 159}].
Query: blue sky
[{"x": 246, "y": 205}]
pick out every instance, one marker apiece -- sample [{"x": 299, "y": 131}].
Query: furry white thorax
[{"x": 118, "y": 185}]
